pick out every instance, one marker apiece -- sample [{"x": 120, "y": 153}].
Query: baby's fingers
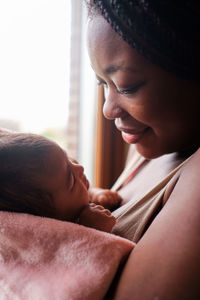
[
  {"x": 95, "y": 206},
  {"x": 107, "y": 212}
]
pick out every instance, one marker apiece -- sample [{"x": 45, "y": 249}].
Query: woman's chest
[{"x": 148, "y": 176}]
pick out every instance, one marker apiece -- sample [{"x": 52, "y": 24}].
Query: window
[
  {"x": 47, "y": 85},
  {"x": 34, "y": 59}
]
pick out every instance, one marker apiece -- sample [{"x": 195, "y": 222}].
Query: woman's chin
[{"x": 148, "y": 152}]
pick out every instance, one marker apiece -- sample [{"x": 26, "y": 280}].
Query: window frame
[{"x": 111, "y": 150}]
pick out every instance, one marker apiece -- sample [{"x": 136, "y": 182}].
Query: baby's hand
[
  {"x": 106, "y": 198},
  {"x": 96, "y": 216}
]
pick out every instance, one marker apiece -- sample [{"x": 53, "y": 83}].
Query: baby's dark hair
[{"x": 22, "y": 159}]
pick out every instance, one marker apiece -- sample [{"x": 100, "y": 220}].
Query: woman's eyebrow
[{"x": 113, "y": 69}]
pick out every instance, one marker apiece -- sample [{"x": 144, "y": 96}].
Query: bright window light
[{"x": 34, "y": 60}]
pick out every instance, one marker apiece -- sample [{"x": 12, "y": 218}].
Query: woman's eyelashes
[
  {"x": 124, "y": 91},
  {"x": 130, "y": 90}
]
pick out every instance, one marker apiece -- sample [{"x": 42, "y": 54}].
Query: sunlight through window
[{"x": 34, "y": 59}]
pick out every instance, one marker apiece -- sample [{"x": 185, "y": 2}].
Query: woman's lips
[{"x": 133, "y": 138}]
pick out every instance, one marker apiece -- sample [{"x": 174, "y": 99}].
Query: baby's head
[{"x": 37, "y": 177}]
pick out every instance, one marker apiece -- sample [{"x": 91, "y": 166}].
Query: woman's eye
[{"x": 131, "y": 90}]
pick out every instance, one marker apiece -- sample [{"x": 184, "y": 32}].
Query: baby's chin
[{"x": 85, "y": 199}]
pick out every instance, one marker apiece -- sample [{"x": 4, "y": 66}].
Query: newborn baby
[{"x": 37, "y": 177}]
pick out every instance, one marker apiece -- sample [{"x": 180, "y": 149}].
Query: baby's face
[{"x": 67, "y": 184}]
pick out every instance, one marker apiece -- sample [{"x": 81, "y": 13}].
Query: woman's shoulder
[
  {"x": 193, "y": 162},
  {"x": 189, "y": 178},
  {"x": 167, "y": 256},
  {"x": 188, "y": 171},
  {"x": 186, "y": 191}
]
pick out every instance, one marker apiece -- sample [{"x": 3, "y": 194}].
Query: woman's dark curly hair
[{"x": 167, "y": 32}]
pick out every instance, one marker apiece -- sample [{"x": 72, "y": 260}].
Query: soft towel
[{"x": 42, "y": 258}]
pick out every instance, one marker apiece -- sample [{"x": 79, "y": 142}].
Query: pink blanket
[{"x": 43, "y": 258}]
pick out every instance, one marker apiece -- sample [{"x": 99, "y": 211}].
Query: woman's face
[{"x": 152, "y": 108}]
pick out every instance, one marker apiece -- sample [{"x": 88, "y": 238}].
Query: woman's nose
[{"x": 112, "y": 109}]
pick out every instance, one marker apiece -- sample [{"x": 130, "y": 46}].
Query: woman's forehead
[
  {"x": 107, "y": 50},
  {"x": 100, "y": 34}
]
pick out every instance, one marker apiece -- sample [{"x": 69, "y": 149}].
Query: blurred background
[
  {"x": 45, "y": 74},
  {"x": 48, "y": 86}
]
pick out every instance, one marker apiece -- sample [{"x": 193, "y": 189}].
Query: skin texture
[
  {"x": 65, "y": 180},
  {"x": 106, "y": 198},
  {"x": 159, "y": 113},
  {"x": 157, "y": 110},
  {"x": 165, "y": 263}
]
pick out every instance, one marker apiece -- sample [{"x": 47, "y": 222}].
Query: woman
[{"x": 146, "y": 54}]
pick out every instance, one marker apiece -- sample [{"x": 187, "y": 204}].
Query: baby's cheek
[{"x": 87, "y": 199}]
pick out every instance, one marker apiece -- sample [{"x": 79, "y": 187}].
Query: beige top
[{"x": 133, "y": 217}]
